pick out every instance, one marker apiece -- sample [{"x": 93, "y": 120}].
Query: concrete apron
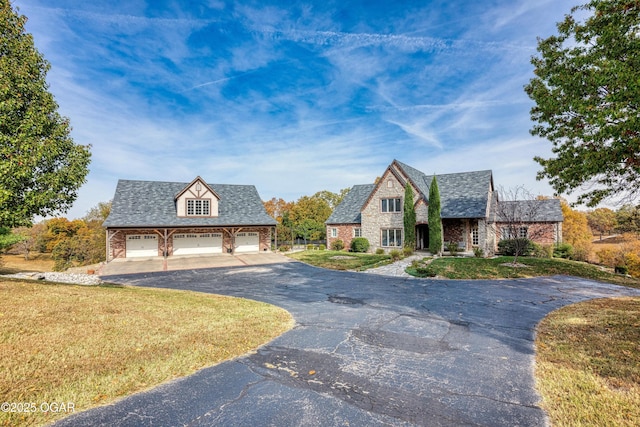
[{"x": 187, "y": 262}]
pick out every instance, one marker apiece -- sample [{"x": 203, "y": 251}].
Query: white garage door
[
  {"x": 247, "y": 242},
  {"x": 191, "y": 244},
  {"x": 142, "y": 245}
]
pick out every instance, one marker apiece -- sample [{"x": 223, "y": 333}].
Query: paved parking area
[
  {"x": 366, "y": 350},
  {"x": 121, "y": 266}
]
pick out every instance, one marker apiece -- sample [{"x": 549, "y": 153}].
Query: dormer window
[{"x": 198, "y": 207}]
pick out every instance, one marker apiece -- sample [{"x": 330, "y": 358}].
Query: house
[
  {"x": 152, "y": 218},
  {"x": 471, "y": 212}
]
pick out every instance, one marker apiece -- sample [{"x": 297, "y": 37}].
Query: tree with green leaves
[
  {"x": 41, "y": 168},
  {"x": 586, "y": 89},
  {"x": 434, "y": 218},
  {"x": 409, "y": 217}
]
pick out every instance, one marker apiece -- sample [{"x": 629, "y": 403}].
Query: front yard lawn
[
  {"x": 89, "y": 345},
  {"x": 588, "y": 363},
  {"x": 499, "y": 268},
  {"x": 341, "y": 260}
]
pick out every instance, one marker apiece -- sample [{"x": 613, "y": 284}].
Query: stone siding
[{"x": 373, "y": 219}]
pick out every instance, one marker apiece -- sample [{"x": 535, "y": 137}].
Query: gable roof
[
  {"x": 547, "y": 210},
  {"x": 348, "y": 211},
  {"x": 462, "y": 195},
  {"x": 152, "y": 204}
]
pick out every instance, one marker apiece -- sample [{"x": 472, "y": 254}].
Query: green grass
[
  {"x": 498, "y": 268},
  {"x": 90, "y": 345},
  {"x": 341, "y": 260},
  {"x": 588, "y": 363}
]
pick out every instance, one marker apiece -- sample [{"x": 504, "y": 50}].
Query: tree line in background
[
  {"x": 303, "y": 219},
  {"x": 70, "y": 243}
]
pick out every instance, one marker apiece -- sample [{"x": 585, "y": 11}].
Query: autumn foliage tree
[{"x": 576, "y": 232}]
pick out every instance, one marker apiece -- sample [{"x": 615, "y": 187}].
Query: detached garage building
[{"x": 151, "y": 218}]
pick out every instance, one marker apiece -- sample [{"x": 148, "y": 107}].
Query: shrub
[
  {"x": 620, "y": 269},
  {"x": 563, "y": 250},
  {"x": 426, "y": 271},
  {"x": 478, "y": 252},
  {"x": 407, "y": 251},
  {"x": 395, "y": 254},
  {"x": 542, "y": 251},
  {"x": 309, "y": 247},
  {"x": 452, "y": 247},
  {"x": 508, "y": 246},
  {"x": 337, "y": 245},
  {"x": 360, "y": 244},
  {"x": 379, "y": 251},
  {"x": 284, "y": 248},
  {"x": 322, "y": 247}
]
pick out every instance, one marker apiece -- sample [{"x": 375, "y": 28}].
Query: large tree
[
  {"x": 586, "y": 89},
  {"x": 434, "y": 218},
  {"x": 41, "y": 168}
]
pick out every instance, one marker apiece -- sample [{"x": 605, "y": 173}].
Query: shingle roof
[
  {"x": 152, "y": 204},
  {"x": 548, "y": 210},
  {"x": 348, "y": 211},
  {"x": 462, "y": 195}
]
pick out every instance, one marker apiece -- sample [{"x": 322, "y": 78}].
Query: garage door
[
  {"x": 142, "y": 245},
  {"x": 191, "y": 244},
  {"x": 247, "y": 242}
]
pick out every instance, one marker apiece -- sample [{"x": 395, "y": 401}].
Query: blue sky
[{"x": 294, "y": 97}]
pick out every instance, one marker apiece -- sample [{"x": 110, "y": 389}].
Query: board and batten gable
[{"x": 197, "y": 190}]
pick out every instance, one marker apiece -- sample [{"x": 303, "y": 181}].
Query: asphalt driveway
[{"x": 366, "y": 350}]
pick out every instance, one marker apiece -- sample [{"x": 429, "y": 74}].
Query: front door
[{"x": 422, "y": 237}]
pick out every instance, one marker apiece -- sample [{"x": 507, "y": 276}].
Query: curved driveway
[{"x": 366, "y": 350}]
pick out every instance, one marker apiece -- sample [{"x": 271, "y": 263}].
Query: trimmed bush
[
  {"x": 360, "y": 244},
  {"x": 478, "y": 252},
  {"x": 284, "y": 248},
  {"x": 426, "y": 271},
  {"x": 563, "y": 250},
  {"x": 309, "y": 247},
  {"x": 337, "y": 245},
  {"x": 542, "y": 251},
  {"x": 453, "y": 249},
  {"x": 322, "y": 247},
  {"x": 508, "y": 247},
  {"x": 379, "y": 251}
]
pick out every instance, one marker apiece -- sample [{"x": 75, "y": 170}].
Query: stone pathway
[{"x": 397, "y": 268}]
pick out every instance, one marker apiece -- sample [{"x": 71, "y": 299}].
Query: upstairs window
[
  {"x": 391, "y": 205},
  {"x": 198, "y": 207}
]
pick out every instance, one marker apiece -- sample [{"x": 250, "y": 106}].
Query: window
[
  {"x": 198, "y": 207},
  {"x": 389, "y": 184},
  {"x": 475, "y": 237},
  {"x": 523, "y": 232},
  {"x": 392, "y": 237},
  {"x": 391, "y": 205},
  {"x": 334, "y": 232},
  {"x": 513, "y": 233},
  {"x": 357, "y": 232}
]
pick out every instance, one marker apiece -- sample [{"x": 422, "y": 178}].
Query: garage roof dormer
[{"x": 197, "y": 199}]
